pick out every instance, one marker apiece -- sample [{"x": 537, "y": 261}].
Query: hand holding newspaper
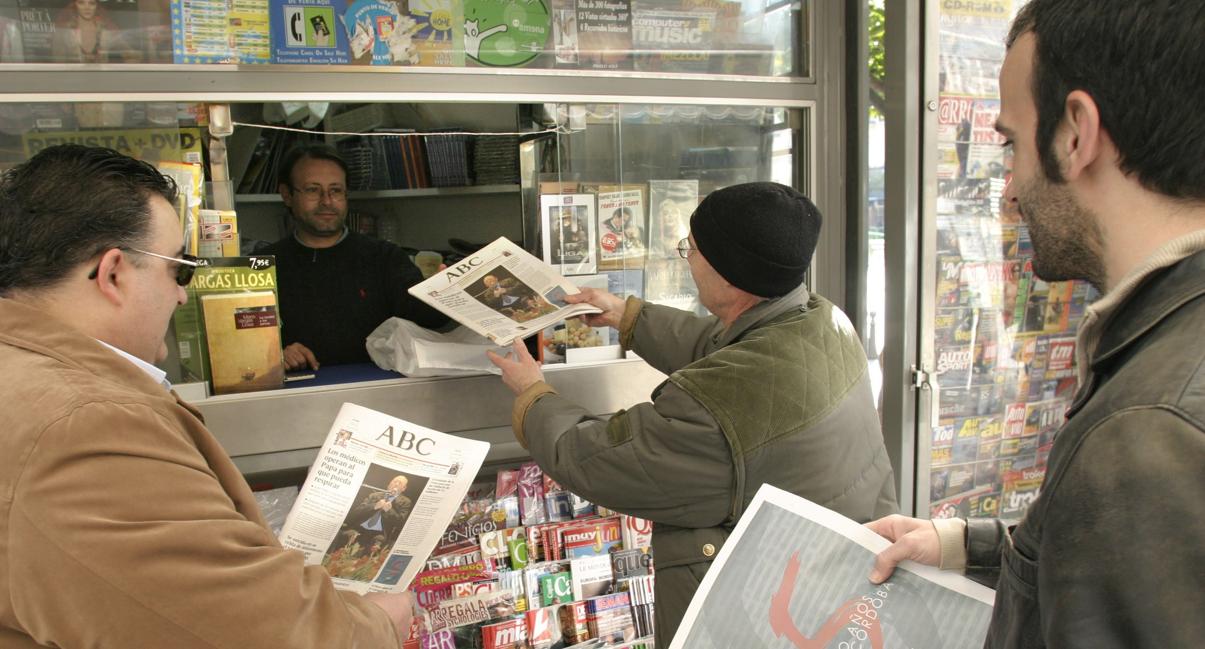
[
  {"x": 501, "y": 292},
  {"x": 795, "y": 571},
  {"x": 378, "y": 499}
]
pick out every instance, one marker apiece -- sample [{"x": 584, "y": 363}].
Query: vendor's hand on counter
[
  {"x": 612, "y": 306},
  {"x": 399, "y": 607},
  {"x": 912, "y": 538},
  {"x": 519, "y": 370},
  {"x": 298, "y": 356}
]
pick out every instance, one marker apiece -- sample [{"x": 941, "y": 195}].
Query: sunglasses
[{"x": 186, "y": 265}]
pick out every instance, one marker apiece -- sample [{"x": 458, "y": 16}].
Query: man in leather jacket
[{"x": 1102, "y": 102}]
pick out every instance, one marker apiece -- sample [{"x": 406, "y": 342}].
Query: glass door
[{"x": 997, "y": 342}]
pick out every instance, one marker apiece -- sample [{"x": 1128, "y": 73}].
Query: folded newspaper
[
  {"x": 378, "y": 499},
  {"x": 502, "y": 292},
  {"x": 794, "y": 574}
]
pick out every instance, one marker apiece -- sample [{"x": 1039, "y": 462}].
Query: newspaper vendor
[
  {"x": 335, "y": 285},
  {"x": 772, "y": 388}
]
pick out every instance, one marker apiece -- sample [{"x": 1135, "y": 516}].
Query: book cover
[
  {"x": 591, "y": 576},
  {"x": 671, "y": 202},
  {"x": 439, "y": 36},
  {"x": 509, "y": 634},
  {"x": 574, "y": 627},
  {"x": 215, "y": 31},
  {"x": 12, "y": 49},
  {"x": 637, "y": 532},
  {"x": 621, "y": 227},
  {"x": 307, "y": 32},
  {"x": 591, "y": 538},
  {"x": 609, "y": 618},
  {"x": 243, "y": 334},
  {"x": 556, "y": 588},
  {"x": 669, "y": 282},
  {"x": 626, "y": 564},
  {"x": 604, "y": 34},
  {"x": 533, "y": 580},
  {"x": 93, "y": 31},
  {"x": 218, "y": 236},
  {"x": 542, "y": 631},
  {"x": 568, "y": 232},
  {"x": 216, "y": 275}
]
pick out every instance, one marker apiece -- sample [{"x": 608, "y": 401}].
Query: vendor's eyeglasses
[
  {"x": 316, "y": 192},
  {"x": 186, "y": 265},
  {"x": 684, "y": 248}
]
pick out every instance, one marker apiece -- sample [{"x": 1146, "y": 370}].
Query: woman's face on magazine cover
[{"x": 85, "y": 8}]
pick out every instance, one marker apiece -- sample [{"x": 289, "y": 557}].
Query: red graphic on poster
[{"x": 846, "y": 616}]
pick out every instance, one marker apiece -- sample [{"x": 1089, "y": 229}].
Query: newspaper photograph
[
  {"x": 794, "y": 574},
  {"x": 502, "y": 292},
  {"x": 378, "y": 499}
]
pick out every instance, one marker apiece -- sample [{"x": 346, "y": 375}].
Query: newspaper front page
[
  {"x": 501, "y": 292},
  {"x": 794, "y": 574},
  {"x": 378, "y": 498}
]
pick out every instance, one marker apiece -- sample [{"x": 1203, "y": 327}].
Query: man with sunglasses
[
  {"x": 773, "y": 388},
  {"x": 123, "y": 522},
  {"x": 335, "y": 286}
]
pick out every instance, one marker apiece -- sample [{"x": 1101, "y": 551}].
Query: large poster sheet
[
  {"x": 378, "y": 499},
  {"x": 794, "y": 574},
  {"x": 502, "y": 292}
]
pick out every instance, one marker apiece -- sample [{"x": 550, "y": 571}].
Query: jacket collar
[
  {"x": 761, "y": 312},
  {"x": 30, "y": 328},
  {"x": 1157, "y": 297}
]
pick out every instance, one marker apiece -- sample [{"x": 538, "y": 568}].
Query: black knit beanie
[{"x": 758, "y": 236}]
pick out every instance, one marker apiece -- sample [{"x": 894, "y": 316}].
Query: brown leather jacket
[{"x": 1112, "y": 553}]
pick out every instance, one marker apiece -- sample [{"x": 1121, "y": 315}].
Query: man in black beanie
[{"x": 772, "y": 388}]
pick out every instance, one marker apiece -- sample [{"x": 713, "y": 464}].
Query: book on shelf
[
  {"x": 218, "y": 236},
  {"x": 243, "y": 334},
  {"x": 222, "y": 275}
]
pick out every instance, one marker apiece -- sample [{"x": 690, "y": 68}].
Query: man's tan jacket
[{"x": 124, "y": 524}]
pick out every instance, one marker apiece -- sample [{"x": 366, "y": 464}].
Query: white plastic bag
[{"x": 405, "y": 347}]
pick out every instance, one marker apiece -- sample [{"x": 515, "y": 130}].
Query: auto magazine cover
[
  {"x": 378, "y": 499},
  {"x": 795, "y": 571},
  {"x": 501, "y": 292}
]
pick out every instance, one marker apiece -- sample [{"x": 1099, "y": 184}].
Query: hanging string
[{"x": 554, "y": 129}]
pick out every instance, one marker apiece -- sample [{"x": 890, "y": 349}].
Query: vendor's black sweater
[{"x": 332, "y": 298}]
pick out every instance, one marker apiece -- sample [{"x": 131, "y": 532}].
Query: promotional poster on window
[{"x": 378, "y": 498}]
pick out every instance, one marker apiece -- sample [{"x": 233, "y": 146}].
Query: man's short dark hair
[
  {"x": 69, "y": 203},
  {"x": 311, "y": 151},
  {"x": 1144, "y": 66}
]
